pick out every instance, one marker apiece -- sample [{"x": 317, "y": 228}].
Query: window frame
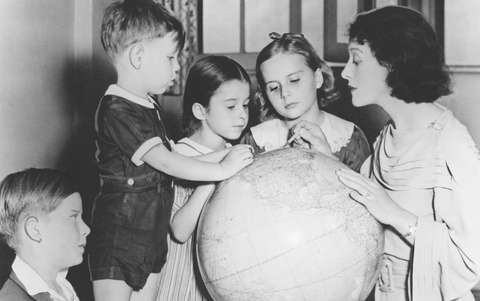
[
  {"x": 333, "y": 52},
  {"x": 434, "y": 11},
  {"x": 248, "y": 59}
]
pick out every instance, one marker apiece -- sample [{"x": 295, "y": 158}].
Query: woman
[{"x": 422, "y": 180}]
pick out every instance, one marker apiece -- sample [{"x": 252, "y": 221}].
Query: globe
[{"x": 285, "y": 228}]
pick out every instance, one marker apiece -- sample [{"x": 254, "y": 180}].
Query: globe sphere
[{"x": 285, "y": 228}]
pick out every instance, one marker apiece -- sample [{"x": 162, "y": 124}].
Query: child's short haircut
[
  {"x": 30, "y": 192},
  {"x": 133, "y": 21}
]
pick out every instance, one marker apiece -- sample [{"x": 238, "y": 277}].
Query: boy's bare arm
[
  {"x": 214, "y": 157},
  {"x": 188, "y": 168}
]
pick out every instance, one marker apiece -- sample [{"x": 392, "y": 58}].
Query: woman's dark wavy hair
[
  {"x": 203, "y": 80},
  {"x": 291, "y": 43},
  {"x": 133, "y": 21},
  {"x": 403, "y": 41}
]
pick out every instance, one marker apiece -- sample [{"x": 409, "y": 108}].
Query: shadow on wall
[
  {"x": 91, "y": 81},
  {"x": 72, "y": 153}
]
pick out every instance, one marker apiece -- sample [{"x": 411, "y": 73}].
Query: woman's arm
[
  {"x": 378, "y": 202},
  {"x": 452, "y": 243},
  {"x": 447, "y": 249}
]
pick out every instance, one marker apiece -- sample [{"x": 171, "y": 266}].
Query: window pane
[
  {"x": 312, "y": 23},
  {"x": 221, "y": 26},
  {"x": 381, "y": 3},
  {"x": 346, "y": 12},
  {"x": 462, "y": 34},
  {"x": 263, "y": 17}
]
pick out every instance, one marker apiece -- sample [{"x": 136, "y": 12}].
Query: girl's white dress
[{"x": 347, "y": 142}]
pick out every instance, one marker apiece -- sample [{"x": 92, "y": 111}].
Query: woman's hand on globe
[
  {"x": 373, "y": 197},
  {"x": 309, "y": 135}
]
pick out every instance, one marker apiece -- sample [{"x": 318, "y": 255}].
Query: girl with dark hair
[
  {"x": 422, "y": 180},
  {"x": 215, "y": 112},
  {"x": 295, "y": 83}
]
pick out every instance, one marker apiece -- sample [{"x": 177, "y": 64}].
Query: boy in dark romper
[{"x": 131, "y": 215}]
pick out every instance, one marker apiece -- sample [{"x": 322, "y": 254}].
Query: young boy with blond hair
[
  {"x": 131, "y": 215},
  {"x": 41, "y": 219}
]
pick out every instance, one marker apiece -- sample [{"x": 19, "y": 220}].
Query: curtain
[{"x": 187, "y": 11}]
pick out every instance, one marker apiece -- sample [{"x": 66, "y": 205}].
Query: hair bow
[{"x": 285, "y": 36}]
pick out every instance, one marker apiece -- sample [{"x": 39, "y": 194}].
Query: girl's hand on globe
[
  {"x": 309, "y": 135},
  {"x": 239, "y": 156},
  {"x": 375, "y": 199}
]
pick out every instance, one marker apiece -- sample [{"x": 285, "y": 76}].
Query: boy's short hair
[
  {"x": 27, "y": 193},
  {"x": 132, "y": 21}
]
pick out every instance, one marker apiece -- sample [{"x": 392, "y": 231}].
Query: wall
[
  {"x": 37, "y": 110},
  {"x": 45, "y": 111},
  {"x": 464, "y": 102}
]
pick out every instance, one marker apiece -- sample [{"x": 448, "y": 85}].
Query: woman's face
[{"x": 366, "y": 77}]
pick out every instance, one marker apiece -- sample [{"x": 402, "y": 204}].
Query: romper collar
[{"x": 118, "y": 91}]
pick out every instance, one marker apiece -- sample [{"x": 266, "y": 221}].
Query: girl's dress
[
  {"x": 346, "y": 140},
  {"x": 435, "y": 174},
  {"x": 180, "y": 278}
]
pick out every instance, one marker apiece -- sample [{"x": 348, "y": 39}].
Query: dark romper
[{"x": 131, "y": 214}]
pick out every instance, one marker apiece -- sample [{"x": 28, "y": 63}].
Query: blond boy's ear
[
  {"x": 32, "y": 229},
  {"x": 199, "y": 111},
  {"x": 135, "y": 55},
  {"x": 318, "y": 78}
]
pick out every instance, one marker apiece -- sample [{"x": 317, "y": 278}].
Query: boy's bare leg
[
  {"x": 149, "y": 291},
  {"x": 111, "y": 290}
]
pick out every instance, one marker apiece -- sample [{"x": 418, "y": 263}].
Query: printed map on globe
[{"x": 285, "y": 228}]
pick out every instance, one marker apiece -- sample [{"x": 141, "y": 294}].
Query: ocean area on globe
[{"x": 285, "y": 228}]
